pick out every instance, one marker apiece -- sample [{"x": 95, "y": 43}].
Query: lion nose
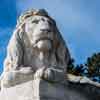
[{"x": 45, "y": 30}]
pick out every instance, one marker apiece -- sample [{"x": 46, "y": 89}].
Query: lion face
[{"x": 40, "y": 31}]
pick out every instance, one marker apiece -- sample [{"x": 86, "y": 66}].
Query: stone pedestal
[{"x": 41, "y": 90}]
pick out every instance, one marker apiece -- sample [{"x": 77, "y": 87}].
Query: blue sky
[{"x": 78, "y": 21}]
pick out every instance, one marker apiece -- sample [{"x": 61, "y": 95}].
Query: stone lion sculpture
[
  {"x": 35, "y": 67},
  {"x": 36, "y": 46}
]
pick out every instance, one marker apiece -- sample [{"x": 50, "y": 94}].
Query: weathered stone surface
[{"x": 36, "y": 63}]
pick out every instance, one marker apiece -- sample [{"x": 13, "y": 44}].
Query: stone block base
[{"x": 40, "y": 90}]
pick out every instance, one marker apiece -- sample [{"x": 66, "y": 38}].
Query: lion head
[{"x": 35, "y": 32}]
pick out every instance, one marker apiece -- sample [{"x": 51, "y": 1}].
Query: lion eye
[
  {"x": 50, "y": 23},
  {"x": 35, "y": 21}
]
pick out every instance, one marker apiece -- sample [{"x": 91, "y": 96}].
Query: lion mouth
[
  {"x": 43, "y": 37},
  {"x": 43, "y": 43}
]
